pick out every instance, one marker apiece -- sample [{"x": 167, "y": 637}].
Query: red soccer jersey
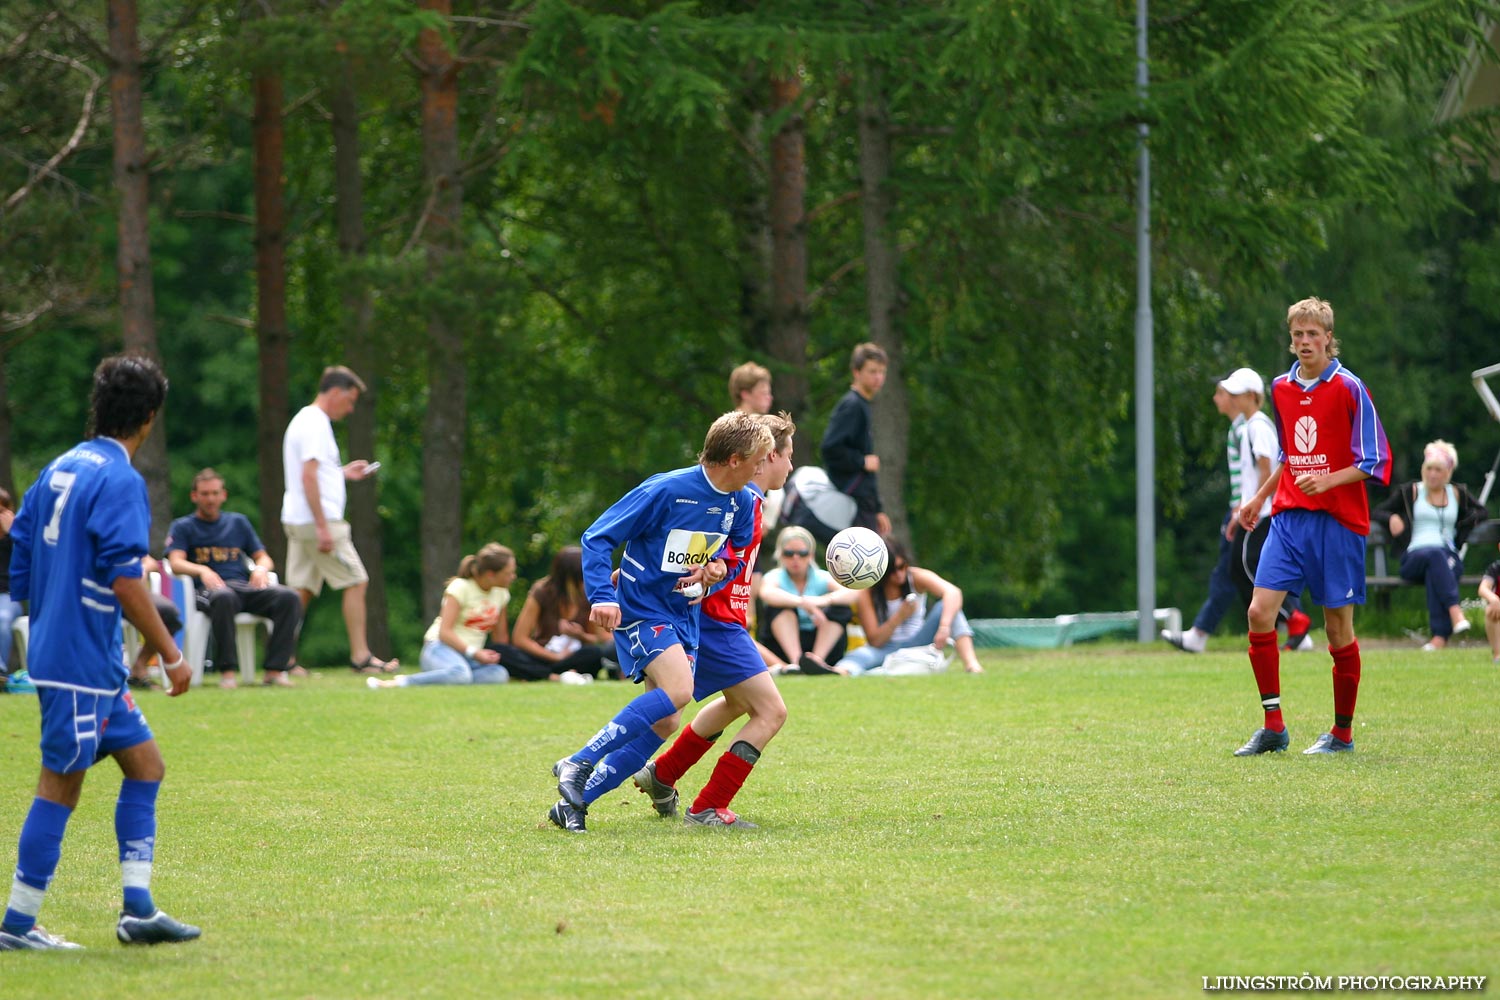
[
  {"x": 731, "y": 604},
  {"x": 1328, "y": 427}
]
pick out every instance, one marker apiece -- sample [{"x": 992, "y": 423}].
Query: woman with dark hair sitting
[
  {"x": 553, "y": 639},
  {"x": 895, "y": 615}
]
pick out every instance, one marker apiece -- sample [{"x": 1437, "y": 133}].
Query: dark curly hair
[{"x": 128, "y": 390}]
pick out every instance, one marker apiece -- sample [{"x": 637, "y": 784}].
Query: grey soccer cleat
[
  {"x": 663, "y": 796},
  {"x": 1329, "y": 743},
  {"x": 724, "y": 819},
  {"x": 1265, "y": 741},
  {"x": 35, "y": 939},
  {"x": 155, "y": 929}
]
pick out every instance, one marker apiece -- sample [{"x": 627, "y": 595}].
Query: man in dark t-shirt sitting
[{"x": 213, "y": 545}]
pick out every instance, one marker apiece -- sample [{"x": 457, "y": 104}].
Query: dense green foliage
[
  {"x": 615, "y": 174},
  {"x": 920, "y": 838}
]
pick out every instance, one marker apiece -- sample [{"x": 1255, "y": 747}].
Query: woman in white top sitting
[
  {"x": 806, "y": 611},
  {"x": 473, "y": 611},
  {"x": 1428, "y": 521},
  {"x": 895, "y": 615}
]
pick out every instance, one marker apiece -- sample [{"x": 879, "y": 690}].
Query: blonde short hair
[
  {"x": 735, "y": 433},
  {"x": 1318, "y": 311},
  {"x": 1440, "y": 453},
  {"x": 793, "y": 531}
]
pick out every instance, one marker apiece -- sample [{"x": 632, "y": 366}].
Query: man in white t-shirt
[{"x": 319, "y": 548}]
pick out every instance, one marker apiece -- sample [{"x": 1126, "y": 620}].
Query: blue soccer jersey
[
  {"x": 669, "y": 525},
  {"x": 84, "y": 524}
]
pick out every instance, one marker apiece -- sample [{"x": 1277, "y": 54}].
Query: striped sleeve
[{"x": 1371, "y": 451}]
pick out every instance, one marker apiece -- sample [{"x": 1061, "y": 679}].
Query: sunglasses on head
[{"x": 799, "y": 553}]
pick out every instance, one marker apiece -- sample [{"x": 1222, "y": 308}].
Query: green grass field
[{"x": 1068, "y": 824}]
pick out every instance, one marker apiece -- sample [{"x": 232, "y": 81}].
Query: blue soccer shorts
[
  {"x": 639, "y": 643},
  {"x": 726, "y": 656},
  {"x": 80, "y": 728},
  {"x": 1308, "y": 548}
]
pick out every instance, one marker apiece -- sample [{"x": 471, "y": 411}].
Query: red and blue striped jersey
[{"x": 1323, "y": 429}]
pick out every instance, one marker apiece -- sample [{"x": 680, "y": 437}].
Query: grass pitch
[{"x": 1068, "y": 824}]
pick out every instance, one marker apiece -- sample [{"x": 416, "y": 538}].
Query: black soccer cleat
[
  {"x": 565, "y": 817},
  {"x": 1265, "y": 741},
  {"x": 571, "y": 777},
  {"x": 155, "y": 929}
]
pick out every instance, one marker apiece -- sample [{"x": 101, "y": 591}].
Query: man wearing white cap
[{"x": 1251, "y": 450}]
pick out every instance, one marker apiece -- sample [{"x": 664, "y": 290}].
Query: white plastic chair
[{"x": 197, "y": 627}]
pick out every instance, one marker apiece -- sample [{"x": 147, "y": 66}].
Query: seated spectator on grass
[
  {"x": 231, "y": 571},
  {"x": 806, "y": 612},
  {"x": 1428, "y": 522},
  {"x": 553, "y": 639},
  {"x": 895, "y": 615},
  {"x": 1489, "y": 593},
  {"x": 472, "y": 613}
]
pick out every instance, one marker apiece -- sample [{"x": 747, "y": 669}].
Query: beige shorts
[{"x": 308, "y": 569}]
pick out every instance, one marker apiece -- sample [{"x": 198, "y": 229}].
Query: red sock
[
  {"x": 687, "y": 750},
  {"x": 1345, "y": 690},
  {"x": 1265, "y": 660},
  {"x": 728, "y": 777}
]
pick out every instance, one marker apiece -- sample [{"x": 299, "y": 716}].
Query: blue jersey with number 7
[{"x": 83, "y": 524}]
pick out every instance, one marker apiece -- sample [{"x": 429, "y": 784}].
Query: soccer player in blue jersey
[
  {"x": 79, "y": 539},
  {"x": 673, "y": 529},
  {"x": 730, "y": 665}
]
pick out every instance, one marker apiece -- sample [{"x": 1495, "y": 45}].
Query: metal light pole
[{"x": 1145, "y": 400}]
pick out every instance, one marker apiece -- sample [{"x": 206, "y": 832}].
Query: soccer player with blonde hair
[
  {"x": 1331, "y": 442},
  {"x": 673, "y": 528}
]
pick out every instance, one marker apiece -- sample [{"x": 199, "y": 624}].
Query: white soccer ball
[{"x": 857, "y": 558}]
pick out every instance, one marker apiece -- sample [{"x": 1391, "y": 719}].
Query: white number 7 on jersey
[{"x": 60, "y": 483}]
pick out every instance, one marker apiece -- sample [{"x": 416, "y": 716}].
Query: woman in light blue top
[
  {"x": 895, "y": 615},
  {"x": 1428, "y": 521},
  {"x": 807, "y": 611}
]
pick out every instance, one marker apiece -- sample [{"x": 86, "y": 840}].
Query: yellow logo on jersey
[{"x": 686, "y": 550}]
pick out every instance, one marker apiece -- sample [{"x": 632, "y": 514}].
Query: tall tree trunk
[
  {"x": 133, "y": 256},
  {"x": 359, "y": 349},
  {"x": 443, "y": 427},
  {"x": 271, "y": 335},
  {"x": 754, "y": 223},
  {"x": 892, "y": 418},
  {"x": 788, "y": 211}
]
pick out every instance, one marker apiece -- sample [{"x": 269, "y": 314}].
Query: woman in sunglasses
[{"x": 806, "y": 611}]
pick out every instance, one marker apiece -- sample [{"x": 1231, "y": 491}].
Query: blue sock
[
  {"x": 135, "y": 829},
  {"x": 36, "y": 862},
  {"x": 620, "y": 764},
  {"x": 638, "y": 716}
]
